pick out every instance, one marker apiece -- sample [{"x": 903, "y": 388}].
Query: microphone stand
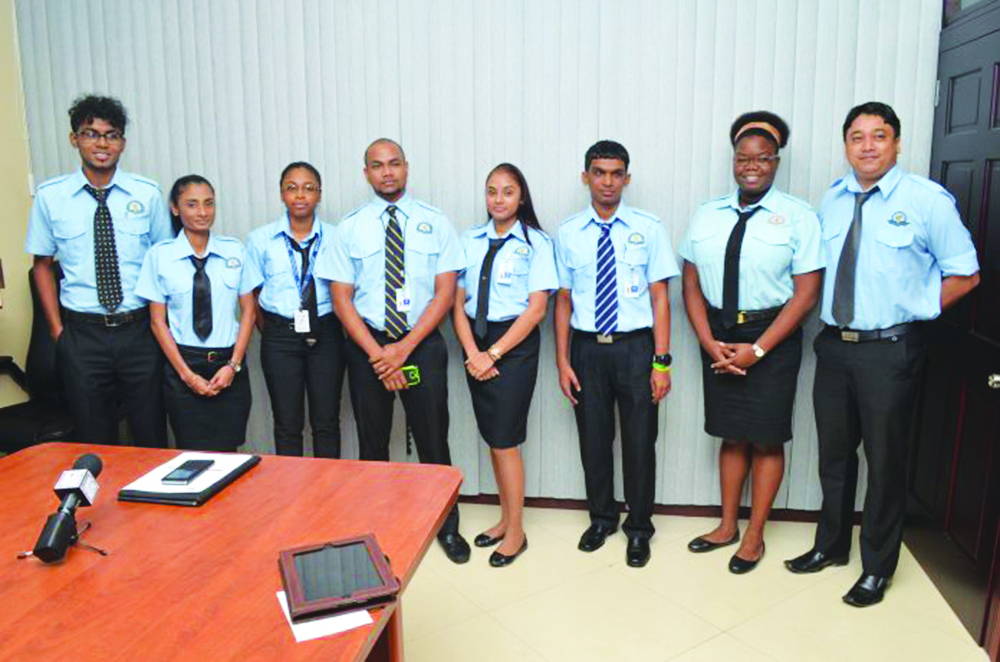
[{"x": 74, "y": 542}]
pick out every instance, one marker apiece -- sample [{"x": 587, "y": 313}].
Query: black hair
[
  {"x": 175, "y": 196},
  {"x": 878, "y": 108},
  {"x": 760, "y": 116},
  {"x": 305, "y": 166},
  {"x": 525, "y": 209},
  {"x": 605, "y": 149},
  {"x": 384, "y": 140},
  {"x": 87, "y": 108}
]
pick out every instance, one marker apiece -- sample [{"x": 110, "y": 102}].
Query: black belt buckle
[
  {"x": 213, "y": 357},
  {"x": 605, "y": 338},
  {"x": 850, "y": 336}
]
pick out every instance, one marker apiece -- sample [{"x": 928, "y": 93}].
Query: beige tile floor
[{"x": 556, "y": 603}]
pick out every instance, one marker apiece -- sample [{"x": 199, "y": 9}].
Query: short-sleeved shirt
[
  {"x": 281, "y": 266},
  {"x": 61, "y": 225},
  {"x": 782, "y": 240},
  {"x": 643, "y": 256},
  {"x": 911, "y": 238},
  {"x": 519, "y": 268},
  {"x": 357, "y": 257},
  {"x": 167, "y": 277}
]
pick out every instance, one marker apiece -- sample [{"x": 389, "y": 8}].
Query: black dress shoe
[
  {"x": 741, "y": 566},
  {"x": 637, "y": 552},
  {"x": 498, "y": 560},
  {"x": 867, "y": 591},
  {"x": 699, "y": 545},
  {"x": 455, "y": 547},
  {"x": 813, "y": 561},
  {"x": 485, "y": 540},
  {"x": 593, "y": 538}
]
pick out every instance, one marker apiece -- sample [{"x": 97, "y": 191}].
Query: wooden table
[{"x": 199, "y": 583}]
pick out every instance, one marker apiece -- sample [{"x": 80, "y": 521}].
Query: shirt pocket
[
  {"x": 132, "y": 237},
  {"x": 632, "y": 267},
  {"x": 421, "y": 254},
  {"x": 582, "y": 270},
  {"x": 894, "y": 247},
  {"x": 278, "y": 275},
  {"x": 771, "y": 248},
  {"x": 366, "y": 257},
  {"x": 231, "y": 277},
  {"x": 176, "y": 285},
  {"x": 69, "y": 233}
]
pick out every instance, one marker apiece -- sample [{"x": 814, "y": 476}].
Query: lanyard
[{"x": 313, "y": 248}]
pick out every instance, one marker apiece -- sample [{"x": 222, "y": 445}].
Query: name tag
[
  {"x": 302, "y": 321},
  {"x": 403, "y": 302},
  {"x": 505, "y": 274},
  {"x": 632, "y": 287}
]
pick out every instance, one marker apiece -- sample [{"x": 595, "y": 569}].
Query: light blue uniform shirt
[
  {"x": 357, "y": 256},
  {"x": 643, "y": 254},
  {"x": 532, "y": 268},
  {"x": 782, "y": 240},
  {"x": 61, "y": 225},
  {"x": 911, "y": 237},
  {"x": 167, "y": 277},
  {"x": 268, "y": 250}
]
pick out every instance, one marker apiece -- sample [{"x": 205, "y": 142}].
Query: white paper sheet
[
  {"x": 322, "y": 627},
  {"x": 224, "y": 464}
]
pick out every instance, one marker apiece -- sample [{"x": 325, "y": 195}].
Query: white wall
[{"x": 235, "y": 90}]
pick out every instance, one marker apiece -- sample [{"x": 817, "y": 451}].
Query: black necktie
[
  {"x": 109, "y": 282},
  {"x": 843, "y": 288},
  {"x": 308, "y": 292},
  {"x": 731, "y": 275},
  {"x": 202, "y": 298},
  {"x": 485, "y": 276},
  {"x": 395, "y": 276}
]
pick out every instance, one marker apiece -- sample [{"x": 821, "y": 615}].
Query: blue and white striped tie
[{"x": 606, "y": 302}]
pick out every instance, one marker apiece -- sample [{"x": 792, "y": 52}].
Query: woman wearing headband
[{"x": 752, "y": 272}]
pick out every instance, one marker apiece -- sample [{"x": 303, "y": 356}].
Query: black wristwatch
[{"x": 663, "y": 359}]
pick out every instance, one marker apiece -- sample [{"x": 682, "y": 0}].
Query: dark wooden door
[{"x": 956, "y": 459}]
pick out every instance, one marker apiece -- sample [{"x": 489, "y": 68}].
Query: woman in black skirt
[
  {"x": 752, "y": 272},
  {"x": 502, "y": 297},
  {"x": 195, "y": 284}
]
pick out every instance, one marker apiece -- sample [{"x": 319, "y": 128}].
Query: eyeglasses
[
  {"x": 308, "y": 189},
  {"x": 760, "y": 159},
  {"x": 91, "y": 136}
]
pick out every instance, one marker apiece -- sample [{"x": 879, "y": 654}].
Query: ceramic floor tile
[
  {"x": 702, "y": 583},
  {"x": 481, "y": 639},
  {"x": 603, "y": 617},
  {"x": 722, "y": 647},
  {"x": 816, "y": 625},
  {"x": 431, "y": 604}
]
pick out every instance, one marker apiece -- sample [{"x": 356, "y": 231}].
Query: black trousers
[
  {"x": 610, "y": 374},
  {"x": 102, "y": 367},
  {"x": 293, "y": 369},
  {"x": 426, "y": 406},
  {"x": 865, "y": 393}
]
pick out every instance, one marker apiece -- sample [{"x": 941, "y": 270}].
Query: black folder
[{"x": 174, "y": 498}]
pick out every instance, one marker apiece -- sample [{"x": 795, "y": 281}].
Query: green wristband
[{"x": 659, "y": 367}]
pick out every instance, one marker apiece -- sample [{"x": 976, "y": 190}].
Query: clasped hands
[
  {"x": 387, "y": 364},
  {"x": 480, "y": 365},
  {"x": 732, "y": 358},
  {"x": 222, "y": 378}
]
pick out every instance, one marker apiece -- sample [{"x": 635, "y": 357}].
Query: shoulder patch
[
  {"x": 898, "y": 219},
  {"x": 423, "y": 227},
  {"x": 636, "y": 239}
]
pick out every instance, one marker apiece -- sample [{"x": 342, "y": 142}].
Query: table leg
[{"x": 389, "y": 647}]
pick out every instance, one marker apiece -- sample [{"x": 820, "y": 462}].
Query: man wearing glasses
[{"x": 98, "y": 222}]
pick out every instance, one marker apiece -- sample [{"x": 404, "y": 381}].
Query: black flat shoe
[
  {"x": 867, "y": 591},
  {"x": 741, "y": 566},
  {"x": 498, "y": 560},
  {"x": 593, "y": 538},
  {"x": 813, "y": 561},
  {"x": 455, "y": 547},
  {"x": 484, "y": 540},
  {"x": 637, "y": 552},
  {"x": 699, "y": 545}
]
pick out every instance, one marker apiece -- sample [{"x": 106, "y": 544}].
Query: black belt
[
  {"x": 744, "y": 316},
  {"x": 218, "y": 355},
  {"x": 892, "y": 333},
  {"x": 110, "y": 320},
  {"x": 274, "y": 318},
  {"x": 611, "y": 338}
]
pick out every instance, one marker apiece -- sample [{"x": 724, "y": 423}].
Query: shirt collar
[
  {"x": 404, "y": 205},
  {"x": 285, "y": 228},
  {"x": 181, "y": 249},
  {"x": 119, "y": 179},
  {"x": 885, "y": 185},
  {"x": 621, "y": 214},
  {"x": 733, "y": 201},
  {"x": 489, "y": 230}
]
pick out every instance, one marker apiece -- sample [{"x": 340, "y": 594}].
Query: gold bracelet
[{"x": 494, "y": 353}]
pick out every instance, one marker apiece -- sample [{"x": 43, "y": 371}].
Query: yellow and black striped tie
[{"x": 395, "y": 276}]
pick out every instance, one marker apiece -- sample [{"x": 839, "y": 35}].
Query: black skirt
[
  {"x": 757, "y": 407},
  {"x": 501, "y": 404},
  {"x": 201, "y": 423}
]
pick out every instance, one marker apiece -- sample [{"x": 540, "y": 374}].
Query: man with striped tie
[
  {"x": 614, "y": 262},
  {"x": 392, "y": 270}
]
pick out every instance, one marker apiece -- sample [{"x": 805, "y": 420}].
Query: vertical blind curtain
[{"x": 236, "y": 89}]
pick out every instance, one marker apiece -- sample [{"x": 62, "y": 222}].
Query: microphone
[{"x": 74, "y": 488}]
